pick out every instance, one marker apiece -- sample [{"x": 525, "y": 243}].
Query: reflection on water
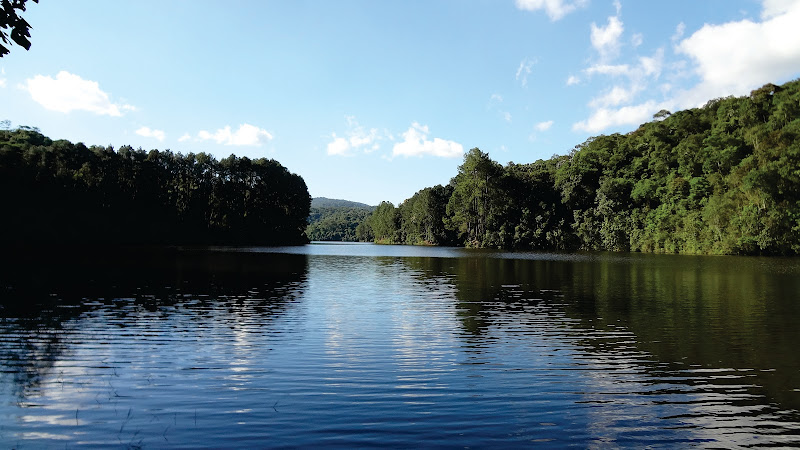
[{"x": 362, "y": 345}]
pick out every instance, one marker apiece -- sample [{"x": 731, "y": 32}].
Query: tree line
[
  {"x": 721, "y": 179},
  {"x": 64, "y": 193},
  {"x": 336, "y": 223}
]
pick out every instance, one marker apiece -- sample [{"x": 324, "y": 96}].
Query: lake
[{"x": 360, "y": 345}]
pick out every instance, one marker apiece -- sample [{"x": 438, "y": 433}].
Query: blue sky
[{"x": 374, "y": 100}]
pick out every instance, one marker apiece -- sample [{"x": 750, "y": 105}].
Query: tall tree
[
  {"x": 475, "y": 198},
  {"x": 68, "y": 193}
]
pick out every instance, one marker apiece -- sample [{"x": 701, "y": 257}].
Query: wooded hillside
[
  {"x": 721, "y": 179},
  {"x": 335, "y": 220}
]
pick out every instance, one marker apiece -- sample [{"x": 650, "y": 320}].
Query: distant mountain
[
  {"x": 322, "y": 202},
  {"x": 335, "y": 220}
]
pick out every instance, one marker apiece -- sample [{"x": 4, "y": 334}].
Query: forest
[
  {"x": 335, "y": 220},
  {"x": 57, "y": 192},
  {"x": 720, "y": 179}
]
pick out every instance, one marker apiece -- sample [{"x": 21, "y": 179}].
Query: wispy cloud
[
  {"x": 616, "y": 104},
  {"x": 615, "y": 96},
  {"x": 2, "y": 78},
  {"x": 727, "y": 59},
  {"x": 775, "y": 8},
  {"x": 246, "y": 135},
  {"x": 356, "y": 139},
  {"x": 555, "y": 9},
  {"x": 544, "y": 126},
  {"x": 604, "y": 118},
  {"x": 68, "y": 92},
  {"x": 495, "y": 104},
  {"x": 186, "y": 137},
  {"x": 637, "y": 39},
  {"x": 416, "y": 143},
  {"x": 524, "y": 70},
  {"x": 680, "y": 29},
  {"x": 151, "y": 133}
]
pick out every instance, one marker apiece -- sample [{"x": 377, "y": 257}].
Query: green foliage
[
  {"x": 383, "y": 223},
  {"x": 336, "y": 223},
  {"x": 58, "y": 192},
  {"x": 421, "y": 217},
  {"x": 10, "y": 19},
  {"x": 721, "y": 179},
  {"x": 474, "y": 205}
]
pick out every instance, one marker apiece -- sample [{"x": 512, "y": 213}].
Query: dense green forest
[
  {"x": 335, "y": 220},
  {"x": 721, "y": 179},
  {"x": 65, "y": 193}
]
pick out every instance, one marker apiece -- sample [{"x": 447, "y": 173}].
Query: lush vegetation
[
  {"x": 335, "y": 220},
  {"x": 721, "y": 179},
  {"x": 60, "y": 192}
]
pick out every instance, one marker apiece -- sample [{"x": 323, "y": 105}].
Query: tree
[
  {"x": 100, "y": 196},
  {"x": 384, "y": 223},
  {"x": 10, "y": 19},
  {"x": 475, "y": 199},
  {"x": 722, "y": 179}
]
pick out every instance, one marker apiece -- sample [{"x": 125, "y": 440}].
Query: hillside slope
[
  {"x": 335, "y": 220},
  {"x": 721, "y": 179}
]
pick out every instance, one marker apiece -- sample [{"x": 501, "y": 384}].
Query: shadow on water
[
  {"x": 44, "y": 295},
  {"x": 687, "y": 313},
  {"x": 376, "y": 345}
]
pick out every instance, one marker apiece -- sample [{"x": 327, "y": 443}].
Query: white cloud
[
  {"x": 147, "y": 132},
  {"x": 735, "y": 57},
  {"x": 728, "y": 59},
  {"x": 614, "y": 97},
  {"x": 637, "y": 39},
  {"x": 609, "y": 69},
  {"x": 524, "y": 69},
  {"x": 679, "y": 32},
  {"x": 357, "y": 138},
  {"x": 184, "y": 138},
  {"x": 573, "y": 80},
  {"x": 604, "y": 118},
  {"x": 246, "y": 135},
  {"x": 651, "y": 66},
  {"x": 544, "y": 126},
  {"x": 606, "y": 40},
  {"x": 555, "y": 9},
  {"x": 615, "y": 106},
  {"x": 2, "y": 78},
  {"x": 338, "y": 146},
  {"x": 774, "y": 8},
  {"x": 494, "y": 105},
  {"x": 416, "y": 143},
  {"x": 68, "y": 92}
]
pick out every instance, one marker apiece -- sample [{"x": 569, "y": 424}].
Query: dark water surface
[{"x": 366, "y": 346}]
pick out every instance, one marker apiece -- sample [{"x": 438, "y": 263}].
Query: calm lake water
[{"x": 365, "y": 346}]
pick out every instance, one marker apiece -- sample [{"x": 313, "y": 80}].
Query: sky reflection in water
[{"x": 362, "y": 345}]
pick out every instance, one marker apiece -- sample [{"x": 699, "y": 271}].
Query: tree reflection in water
[{"x": 46, "y": 297}]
